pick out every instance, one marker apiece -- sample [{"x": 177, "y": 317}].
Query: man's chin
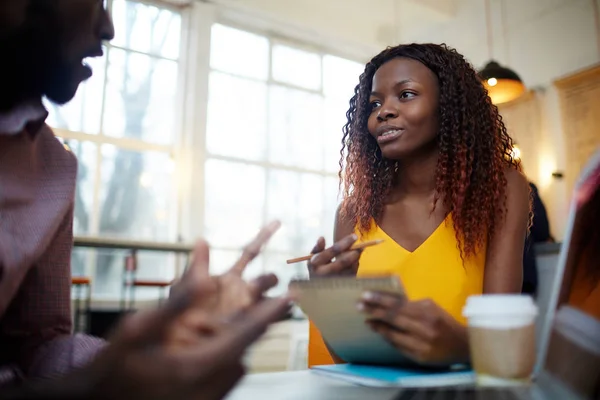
[{"x": 62, "y": 94}]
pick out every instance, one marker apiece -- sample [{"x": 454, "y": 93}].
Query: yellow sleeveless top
[{"x": 434, "y": 270}]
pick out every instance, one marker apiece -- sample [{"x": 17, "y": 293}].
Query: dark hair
[{"x": 474, "y": 149}]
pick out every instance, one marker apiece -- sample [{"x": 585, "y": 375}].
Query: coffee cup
[{"x": 501, "y": 338}]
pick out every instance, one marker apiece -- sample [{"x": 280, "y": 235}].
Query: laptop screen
[
  {"x": 580, "y": 287},
  {"x": 573, "y": 351}
]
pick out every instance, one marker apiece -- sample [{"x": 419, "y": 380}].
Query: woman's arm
[
  {"x": 504, "y": 261},
  {"x": 341, "y": 229},
  {"x": 337, "y": 259}
]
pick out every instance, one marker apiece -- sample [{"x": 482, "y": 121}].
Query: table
[{"x": 305, "y": 385}]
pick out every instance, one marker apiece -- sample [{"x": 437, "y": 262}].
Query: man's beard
[{"x": 33, "y": 65}]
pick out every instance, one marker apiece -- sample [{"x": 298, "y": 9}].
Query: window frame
[
  {"x": 189, "y": 150},
  {"x": 275, "y": 39},
  {"x": 100, "y": 138}
]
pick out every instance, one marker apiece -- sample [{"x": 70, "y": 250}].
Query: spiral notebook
[{"x": 330, "y": 303}]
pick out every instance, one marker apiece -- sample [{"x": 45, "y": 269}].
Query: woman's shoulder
[
  {"x": 515, "y": 177},
  {"x": 518, "y": 188},
  {"x": 344, "y": 225}
]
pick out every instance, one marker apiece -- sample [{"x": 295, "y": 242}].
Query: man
[{"x": 44, "y": 44}]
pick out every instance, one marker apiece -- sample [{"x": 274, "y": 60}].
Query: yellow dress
[{"x": 434, "y": 270}]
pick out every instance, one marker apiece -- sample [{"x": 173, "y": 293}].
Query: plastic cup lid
[{"x": 499, "y": 304}]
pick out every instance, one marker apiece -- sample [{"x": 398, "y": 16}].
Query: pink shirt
[{"x": 37, "y": 188}]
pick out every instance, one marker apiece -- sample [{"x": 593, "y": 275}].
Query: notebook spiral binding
[{"x": 346, "y": 283}]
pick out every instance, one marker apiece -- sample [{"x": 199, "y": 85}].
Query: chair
[
  {"x": 130, "y": 282},
  {"x": 81, "y": 282}
]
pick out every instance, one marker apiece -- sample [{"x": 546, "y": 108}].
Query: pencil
[{"x": 357, "y": 246}]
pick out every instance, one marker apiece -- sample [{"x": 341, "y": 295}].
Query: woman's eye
[{"x": 375, "y": 104}]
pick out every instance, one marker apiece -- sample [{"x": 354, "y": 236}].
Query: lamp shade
[{"x": 503, "y": 84}]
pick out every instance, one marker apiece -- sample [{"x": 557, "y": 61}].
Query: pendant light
[{"x": 503, "y": 84}]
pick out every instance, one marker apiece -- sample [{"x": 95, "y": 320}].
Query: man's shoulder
[{"x": 54, "y": 151}]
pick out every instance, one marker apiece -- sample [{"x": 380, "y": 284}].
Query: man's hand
[
  {"x": 224, "y": 296},
  {"x": 139, "y": 365},
  {"x": 190, "y": 348}
]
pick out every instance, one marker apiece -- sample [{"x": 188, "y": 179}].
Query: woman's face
[{"x": 404, "y": 108}]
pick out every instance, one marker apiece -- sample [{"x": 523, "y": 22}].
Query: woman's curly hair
[{"x": 474, "y": 149}]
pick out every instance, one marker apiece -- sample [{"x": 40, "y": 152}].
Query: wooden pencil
[{"x": 357, "y": 246}]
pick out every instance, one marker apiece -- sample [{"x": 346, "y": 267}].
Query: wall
[{"x": 355, "y": 28}]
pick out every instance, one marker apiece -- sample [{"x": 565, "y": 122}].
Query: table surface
[{"x": 307, "y": 385}]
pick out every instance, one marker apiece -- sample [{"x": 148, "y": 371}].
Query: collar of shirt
[{"x": 28, "y": 116}]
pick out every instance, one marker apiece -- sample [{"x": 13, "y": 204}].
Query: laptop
[{"x": 568, "y": 362}]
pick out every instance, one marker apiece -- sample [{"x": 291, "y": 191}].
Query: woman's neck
[{"x": 416, "y": 176}]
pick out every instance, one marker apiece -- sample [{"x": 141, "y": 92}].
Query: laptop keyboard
[{"x": 464, "y": 394}]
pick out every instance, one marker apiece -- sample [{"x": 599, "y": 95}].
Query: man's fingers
[
  {"x": 149, "y": 326},
  {"x": 252, "y": 250},
  {"x": 260, "y": 285},
  {"x": 197, "y": 269},
  {"x": 199, "y": 265},
  {"x": 232, "y": 341},
  {"x": 250, "y": 325}
]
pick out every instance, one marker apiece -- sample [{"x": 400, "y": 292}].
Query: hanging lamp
[{"x": 503, "y": 84}]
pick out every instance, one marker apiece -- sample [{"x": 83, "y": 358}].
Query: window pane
[
  {"x": 81, "y": 260},
  {"x": 137, "y": 195},
  {"x": 297, "y": 200},
  {"x": 239, "y": 52},
  {"x": 235, "y": 195},
  {"x": 110, "y": 265},
  {"x": 108, "y": 279},
  {"x": 86, "y": 153},
  {"x": 332, "y": 200},
  {"x": 297, "y": 67},
  {"x": 340, "y": 76},
  {"x": 146, "y": 28},
  {"x": 237, "y": 117},
  {"x": 295, "y": 128},
  {"x": 140, "y": 97},
  {"x": 82, "y": 114},
  {"x": 334, "y": 120},
  {"x": 275, "y": 263}
]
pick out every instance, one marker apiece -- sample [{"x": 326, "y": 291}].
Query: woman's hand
[
  {"x": 335, "y": 260},
  {"x": 419, "y": 329}
]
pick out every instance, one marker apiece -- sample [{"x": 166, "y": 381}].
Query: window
[
  {"x": 275, "y": 113},
  {"x": 122, "y": 126}
]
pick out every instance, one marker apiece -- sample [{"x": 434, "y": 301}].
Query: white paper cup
[{"x": 501, "y": 338}]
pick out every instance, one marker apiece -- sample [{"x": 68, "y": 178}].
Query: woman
[{"x": 429, "y": 170}]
